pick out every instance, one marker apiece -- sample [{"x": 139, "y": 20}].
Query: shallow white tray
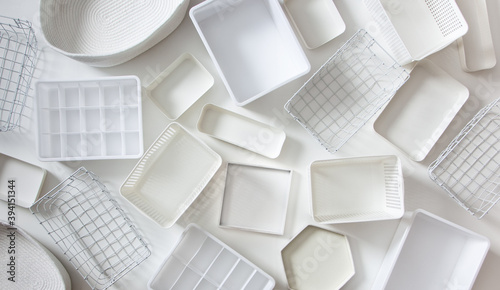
[
  {"x": 170, "y": 175},
  {"x": 251, "y": 44},
  {"x": 476, "y": 48},
  {"x": 318, "y": 259},
  {"x": 421, "y": 110},
  {"x": 317, "y": 21},
  {"x": 241, "y": 131},
  {"x": 180, "y": 86},
  {"x": 356, "y": 189},
  {"x": 89, "y": 119},
  {"x": 429, "y": 252},
  {"x": 255, "y": 198},
  {"x": 28, "y": 180},
  {"x": 201, "y": 261}
]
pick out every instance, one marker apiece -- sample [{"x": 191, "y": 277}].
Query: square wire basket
[
  {"x": 469, "y": 168},
  {"x": 18, "y": 53},
  {"x": 91, "y": 229},
  {"x": 346, "y": 91}
]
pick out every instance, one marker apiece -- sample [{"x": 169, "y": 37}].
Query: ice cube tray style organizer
[
  {"x": 18, "y": 54},
  {"x": 89, "y": 119},
  {"x": 91, "y": 229},
  {"x": 469, "y": 168},
  {"x": 346, "y": 91},
  {"x": 201, "y": 261}
]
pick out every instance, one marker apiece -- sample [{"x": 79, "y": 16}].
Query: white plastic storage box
[
  {"x": 429, "y": 252},
  {"x": 252, "y": 45},
  {"x": 201, "y": 261},
  {"x": 89, "y": 119}
]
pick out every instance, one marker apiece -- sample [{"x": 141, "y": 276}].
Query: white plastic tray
[
  {"x": 357, "y": 189},
  {"x": 429, "y": 252},
  {"x": 318, "y": 259},
  {"x": 201, "y": 261},
  {"x": 255, "y": 198},
  {"x": 89, "y": 119},
  {"x": 180, "y": 86},
  {"x": 170, "y": 175},
  {"x": 317, "y": 21},
  {"x": 241, "y": 131},
  {"x": 251, "y": 44},
  {"x": 421, "y": 110},
  {"x": 28, "y": 180}
]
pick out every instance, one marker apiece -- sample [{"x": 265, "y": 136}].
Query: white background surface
[{"x": 369, "y": 241}]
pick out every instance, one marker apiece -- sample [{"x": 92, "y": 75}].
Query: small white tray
[
  {"x": 318, "y": 259},
  {"x": 180, "y": 86},
  {"x": 170, "y": 175},
  {"x": 28, "y": 180},
  {"x": 252, "y": 45},
  {"x": 201, "y": 261},
  {"x": 255, "y": 198},
  {"x": 357, "y": 189},
  {"x": 317, "y": 21},
  {"x": 89, "y": 119},
  {"x": 429, "y": 252},
  {"x": 421, "y": 110},
  {"x": 241, "y": 131}
]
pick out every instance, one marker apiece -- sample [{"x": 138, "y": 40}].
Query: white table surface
[{"x": 369, "y": 240}]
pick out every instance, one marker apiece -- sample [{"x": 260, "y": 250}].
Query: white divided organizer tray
[
  {"x": 170, "y": 175},
  {"x": 241, "y": 131},
  {"x": 255, "y": 198},
  {"x": 180, "y": 86},
  {"x": 89, "y": 119},
  {"x": 421, "y": 110},
  {"x": 23, "y": 178},
  {"x": 429, "y": 252},
  {"x": 357, "y": 189},
  {"x": 201, "y": 261},
  {"x": 251, "y": 44},
  {"x": 317, "y": 21}
]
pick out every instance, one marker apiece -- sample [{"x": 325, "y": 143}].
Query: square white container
[
  {"x": 179, "y": 86},
  {"x": 431, "y": 253},
  {"x": 201, "y": 261},
  {"x": 170, "y": 175},
  {"x": 89, "y": 119},
  {"x": 317, "y": 21},
  {"x": 430, "y": 98},
  {"x": 28, "y": 180},
  {"x": 255, "y": 198},
  {"x": 251, "y": 44},
  {"x": 357, "y": 189},
  {"x": 241, "y": 131}
]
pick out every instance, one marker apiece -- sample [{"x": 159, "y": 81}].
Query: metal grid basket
[
  {"x": 91, "y": 229},
  {"x": 469, "y": 168},
  {"x": 346, "y": 91},
  {"x": 18, "y": 50}
]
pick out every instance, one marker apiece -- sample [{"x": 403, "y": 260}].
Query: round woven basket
[{"x": 105, "y": 33}]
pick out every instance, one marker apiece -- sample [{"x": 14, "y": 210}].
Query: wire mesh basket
[
  {"x": 91, "y": 229},
  {"x": 18, "y": 50},
  {"x": 469, "y": 168},
  {"x": 346, "y": 91}
]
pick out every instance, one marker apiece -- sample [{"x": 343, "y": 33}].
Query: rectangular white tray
[
  {"x": 317, "y": 21},
  {"x": 89, "y": 119},
  {"x": 28, "y": 180},
  {"x": 170, "y": 175},
  {"x": 356, "y": 189},
  {"x": 421, "y": 110},
  {"x": 179, "y": 86},
  {"x": 251, "y": 44},
  {"x": 241, "y": 131},
  {"x": 201, "y": 261},
  {"x": 429, "y": 252}
]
